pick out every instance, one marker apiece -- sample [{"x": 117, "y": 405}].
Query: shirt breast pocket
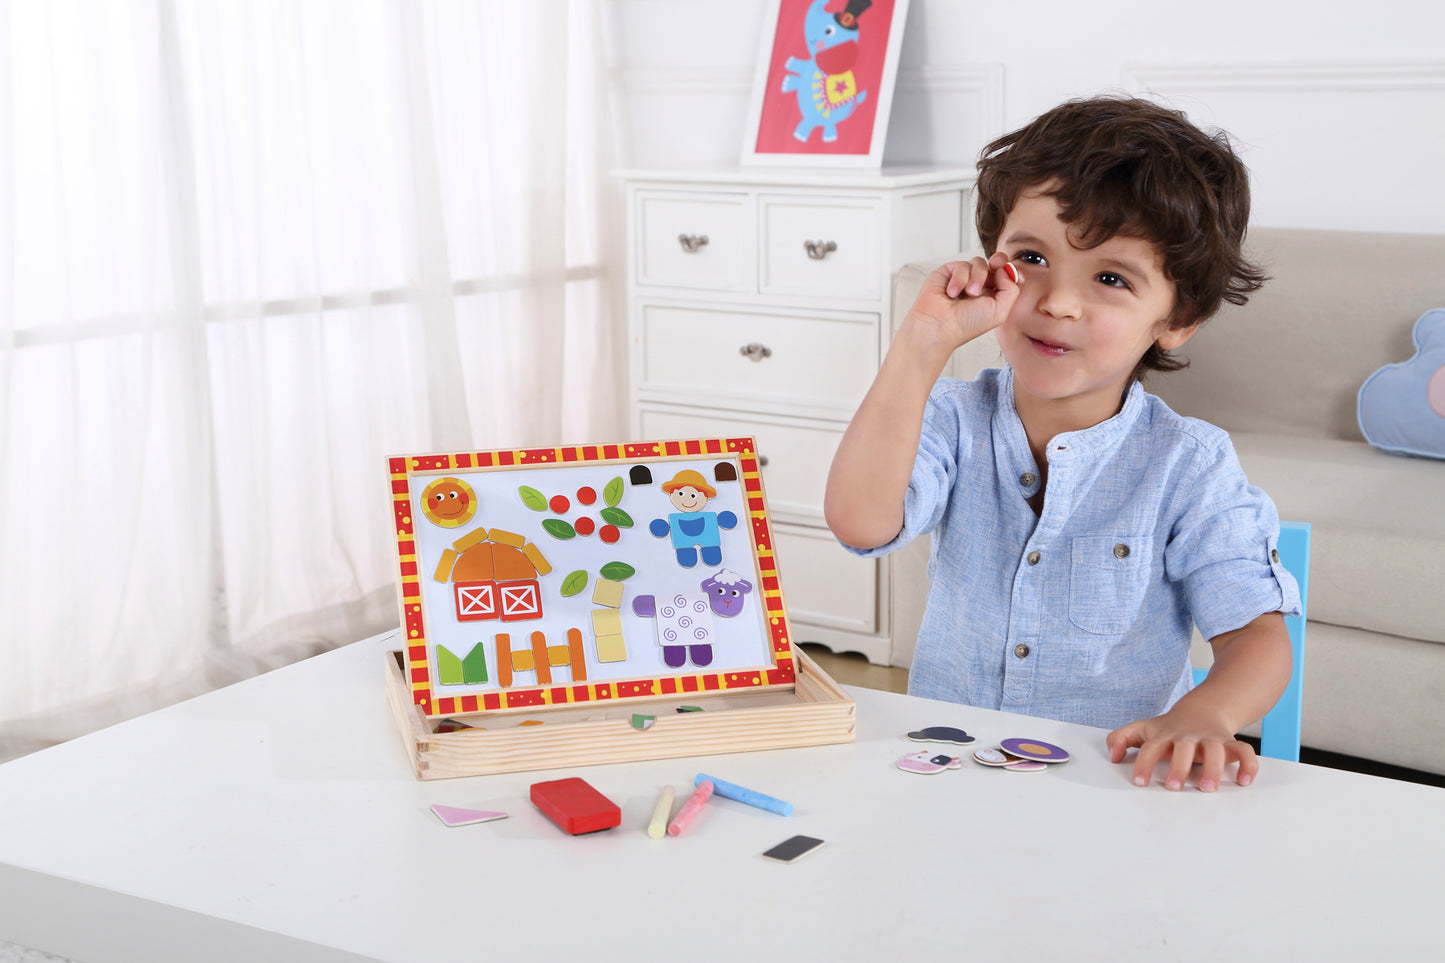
[{"x": 1109, "y": 576}]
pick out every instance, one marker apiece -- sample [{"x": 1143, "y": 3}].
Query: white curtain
[{"x": 247, "y": 250}]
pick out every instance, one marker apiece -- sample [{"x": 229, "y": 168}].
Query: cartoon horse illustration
[{"x": 827, "y": 90}]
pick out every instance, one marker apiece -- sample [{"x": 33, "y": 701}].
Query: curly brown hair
[{"x": 1119, "y": 165}]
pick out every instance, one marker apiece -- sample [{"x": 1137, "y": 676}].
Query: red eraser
[{"x": 575, "y": 806}]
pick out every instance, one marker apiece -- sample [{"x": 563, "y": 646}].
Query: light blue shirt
[{"x": 1083, "y": 613}]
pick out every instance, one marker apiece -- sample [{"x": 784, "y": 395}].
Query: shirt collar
[{"x": 1099, "y": 438}]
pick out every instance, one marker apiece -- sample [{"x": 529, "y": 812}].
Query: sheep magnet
[
  {"x": 726, "y": 592},
  {"x": 685, "y": 619}
]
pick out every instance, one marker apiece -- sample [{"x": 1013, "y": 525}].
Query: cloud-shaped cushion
[{"x": 1402, "y": 406}]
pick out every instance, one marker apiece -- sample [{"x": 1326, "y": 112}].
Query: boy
[{"x": 1080, "y": 527}]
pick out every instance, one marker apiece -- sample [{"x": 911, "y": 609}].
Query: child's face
[
  {"x": 1084, "y": 318},
  {"x": 687, "y": 499}
]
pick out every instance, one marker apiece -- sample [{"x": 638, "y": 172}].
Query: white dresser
[{"x": 759, "y": 303}]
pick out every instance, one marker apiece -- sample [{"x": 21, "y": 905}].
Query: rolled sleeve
[
  {"x": 934, "y": 470},
  {"x": 1223, "y": 551}
]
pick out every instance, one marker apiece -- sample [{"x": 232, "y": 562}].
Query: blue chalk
[{"x": 729, "y": 791}]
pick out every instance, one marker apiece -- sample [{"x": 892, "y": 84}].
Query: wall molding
[
  {"x": 946, "y": 112},
  {"x": 1307, "y": 129},
  {"x": 684, "y": 81},
  {"x": 1284, "y": 77},
  {"x": 984, "y": 82}
]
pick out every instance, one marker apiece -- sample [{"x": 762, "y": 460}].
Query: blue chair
[{"x": 1279, "y": 730}]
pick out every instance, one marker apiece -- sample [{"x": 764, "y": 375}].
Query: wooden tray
[{"x": 815, "y": 712}]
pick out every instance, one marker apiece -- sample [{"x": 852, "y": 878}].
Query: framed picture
[
  {"x": 824, "y": 82},
  {"x": 553, "y": 576}
]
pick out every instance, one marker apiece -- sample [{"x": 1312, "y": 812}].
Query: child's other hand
[
  {"x": 1184, "y": 736},
  {"x": 963, "y": 299}
]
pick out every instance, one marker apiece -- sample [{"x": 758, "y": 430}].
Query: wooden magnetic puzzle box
[{"x": 587, "y": 574}]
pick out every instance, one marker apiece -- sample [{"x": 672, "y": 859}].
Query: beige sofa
[{"x": 1281, "y": 375}]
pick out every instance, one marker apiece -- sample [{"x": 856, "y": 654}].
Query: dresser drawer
[
  {"x": 695, "y": 241},
  {"x": 795, "y": 455},
  {"x": 824, "y": 361},
  {"x": 823, "y": 584},
  {"x": 823, "y": 247}
]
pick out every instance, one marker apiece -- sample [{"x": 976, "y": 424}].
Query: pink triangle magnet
[{"x": 454, "y": 816}]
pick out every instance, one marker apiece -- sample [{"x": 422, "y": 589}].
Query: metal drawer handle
[
  {"x": 755, "y": 351},
  {"x": 692, "y": 242},
  {"x": 817, "y": 250}
]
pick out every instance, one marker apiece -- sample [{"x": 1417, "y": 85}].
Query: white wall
[{"x": 1338, "y": 107}]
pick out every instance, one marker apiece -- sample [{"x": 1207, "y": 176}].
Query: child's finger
[
  {"x": 1213, "y": 770},
  {"x": 1002, "y": 269},
  {"x": 954, "y": 279},
  {"x": 1006, "y": 281},
  {"x": 977, "y": 277},
  {"x": 1181, "y": 761},
  {"x": 1149, "y": 755},
  {"x": 1248, "y": 763},
  {"x": 1121, "y": 740},
  {"x": 957, "y": 276}
]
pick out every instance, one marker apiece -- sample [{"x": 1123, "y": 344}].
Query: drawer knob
[
  {"x": 817, "y": 250},
  {"x": 755, "y": 351},
  {"x": 692, "y": 242},
  {"x": 762, "y": 461}
]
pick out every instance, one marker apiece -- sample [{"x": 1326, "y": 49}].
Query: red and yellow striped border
[{"x": 413, "y": 620}]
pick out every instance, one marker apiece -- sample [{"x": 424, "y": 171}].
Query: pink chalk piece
[
  {"x": 456, "y": 816},
  {"x": 690, "y": 809}
]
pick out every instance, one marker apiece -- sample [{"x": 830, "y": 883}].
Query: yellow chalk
[{"x": 660, "y": 813}]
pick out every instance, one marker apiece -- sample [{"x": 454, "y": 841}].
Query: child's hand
[
  {"x": 1184, "y": 735},
  {"x": 964, "y": 299}
]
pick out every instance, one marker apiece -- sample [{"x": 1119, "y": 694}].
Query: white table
[{"x": 278, "y": 820}]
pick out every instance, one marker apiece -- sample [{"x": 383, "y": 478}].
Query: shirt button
[
  {"x": 1021, "y": 650},
  {"x": 1274, "y": 554},
  {"x": 1034, "y": 558},
  {"x": 1121, "y": 550},
  {"x": 1027, "y": 479}
]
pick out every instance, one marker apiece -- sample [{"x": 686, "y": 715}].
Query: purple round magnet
[{"x": 1034, "y": 749}]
